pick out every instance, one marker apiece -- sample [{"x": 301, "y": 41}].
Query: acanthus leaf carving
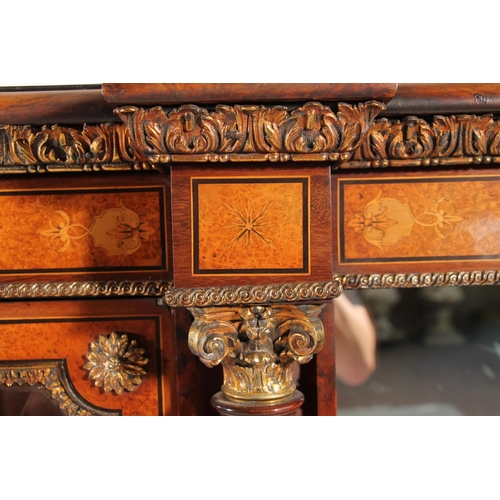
[
  {"x": 89, "y": 147},
  {"x": 257, "y": 346},
  {"x": 415, "y": 141},
  {"x": 247, "y": 130}
]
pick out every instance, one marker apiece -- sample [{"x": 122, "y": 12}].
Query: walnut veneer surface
[{"x": 144, "y": 226}]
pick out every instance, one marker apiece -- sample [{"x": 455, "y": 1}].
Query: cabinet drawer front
[
  {"x": 399, "y": 223},
  {"x": 82, "y": 228}
]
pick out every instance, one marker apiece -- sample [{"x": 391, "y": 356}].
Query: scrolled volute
[{"x": 212, "y": 337}]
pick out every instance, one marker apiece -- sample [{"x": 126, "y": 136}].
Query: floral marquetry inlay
[
  {"x": 385, "y": 221},
  {"x": 119, "y": 231},
  {"x": 419, "y": 219},
  {"x": 74, "y": 229}
]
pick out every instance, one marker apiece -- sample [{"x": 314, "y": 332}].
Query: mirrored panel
[{"x": 438, "y": 353}]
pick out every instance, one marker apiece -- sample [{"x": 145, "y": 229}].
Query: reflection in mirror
[
  {"x": 438, "y": 353},
  {"x": 27, "y": 401}
]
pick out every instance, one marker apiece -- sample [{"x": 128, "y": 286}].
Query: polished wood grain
[
  {"x": 54, "y": 106},
  {"x": 215, "y": 93},
  {"x": 196, "y": 383},
  {"x": 285, "y": 407},
  {"x": 317, "y": 378},
  {"x": 75, "y": 106}
]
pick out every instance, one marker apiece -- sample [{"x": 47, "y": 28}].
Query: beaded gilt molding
[
  {"x": 84, "y": 289},
  {"x": 307, "y": 292},
  {"x": 246, "y": 294},
  {"x": 252, "y": 294},
  {"x": 50, "y": 375}
]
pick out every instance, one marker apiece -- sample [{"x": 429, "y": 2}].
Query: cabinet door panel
[{"x": 37, "y": 336}]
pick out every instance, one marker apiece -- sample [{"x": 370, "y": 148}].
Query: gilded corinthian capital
[{"x": 257, "y": 346}]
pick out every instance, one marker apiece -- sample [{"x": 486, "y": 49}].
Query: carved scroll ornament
[
  {"x": 257, "y": 346},
  {"x": 251, "y": 133},
  {"x": 252, "y": 294},
  {"x": 115, "y": 364},
  {"x": 419, "y": 280},
  {"x": 248, "y": 132},
  {"x": 448, "y": 140}
]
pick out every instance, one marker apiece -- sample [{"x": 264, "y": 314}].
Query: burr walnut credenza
[{"x": 175, "y": 249}]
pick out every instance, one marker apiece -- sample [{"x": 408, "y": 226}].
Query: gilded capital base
[{"x": 257, "y": 347}]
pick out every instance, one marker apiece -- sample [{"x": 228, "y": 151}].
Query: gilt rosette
[{"x": 115, "y": 364}]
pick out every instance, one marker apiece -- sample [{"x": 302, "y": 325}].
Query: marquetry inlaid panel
[
  {"x": 75, "y": 228},
  {"x": 410, "y": 220},
  {"x": 251, "y": 225}
]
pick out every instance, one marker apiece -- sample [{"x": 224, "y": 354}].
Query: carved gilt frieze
[
  {"x": 413, "y": 141},
  {"x": 313, "y": 132},
  {"x": 248, "y": 132},
  {"x": 56, "y": 148}
]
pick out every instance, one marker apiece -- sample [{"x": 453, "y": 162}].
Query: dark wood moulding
[
  {"x": 444, "y": 98},
  {"x": 77, "y": 105}
]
